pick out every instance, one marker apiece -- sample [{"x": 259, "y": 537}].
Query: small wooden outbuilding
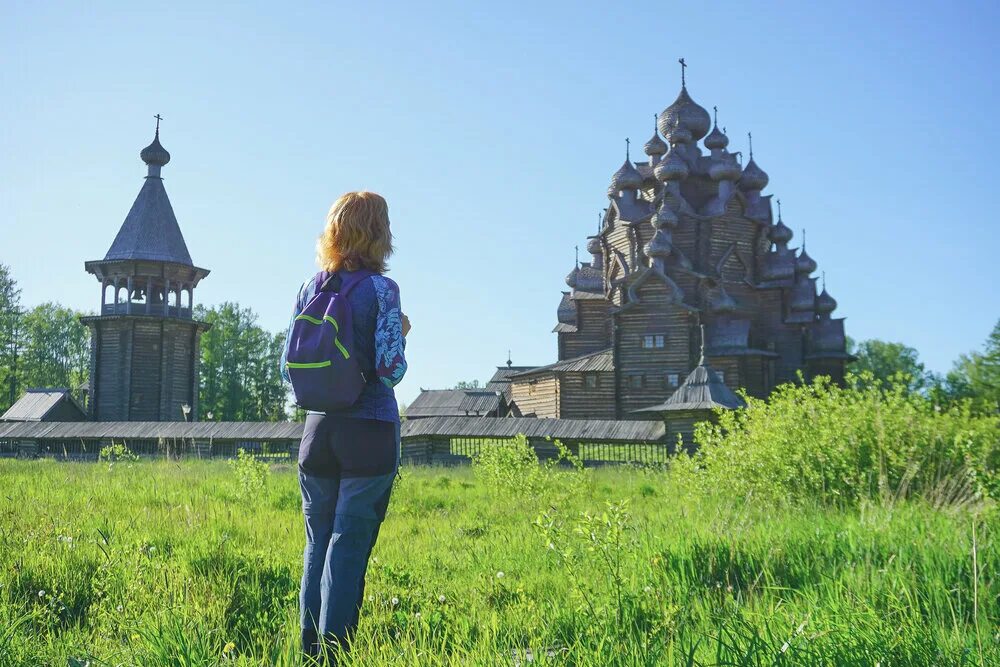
[{"x": 45, "y": 405}]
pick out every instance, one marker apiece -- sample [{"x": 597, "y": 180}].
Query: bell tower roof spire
[{"x": 150, "y": 230}]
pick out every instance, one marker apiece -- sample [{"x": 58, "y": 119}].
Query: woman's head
[{"x": 356, "y": 235}]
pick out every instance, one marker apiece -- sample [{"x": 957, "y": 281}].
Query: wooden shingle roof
[
  {"x": 150, "y": 230},
  {"x": 602, "y": 360},
  {"x": 702, "y": 390},
  {"x": 631, "y": 431},
  {"x": 152, "y": 430},
  {"x": 36, "y": 405},
  {"x": 453, "y": 402}
]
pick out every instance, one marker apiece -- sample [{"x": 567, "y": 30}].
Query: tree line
[{"x": 48, "y": 346}]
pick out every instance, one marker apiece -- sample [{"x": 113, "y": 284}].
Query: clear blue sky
[{"x": 493, "y": 130}]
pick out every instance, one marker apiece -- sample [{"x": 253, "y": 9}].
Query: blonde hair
[{"x": 356, "y": 235}]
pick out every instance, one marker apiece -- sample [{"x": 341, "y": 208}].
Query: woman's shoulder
[{"x": 384, "y": 283}]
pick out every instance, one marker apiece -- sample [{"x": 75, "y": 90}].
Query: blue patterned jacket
[{"x": 378, "y": 337}]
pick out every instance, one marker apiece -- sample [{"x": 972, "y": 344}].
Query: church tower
[{"x": 145, "y": 343}]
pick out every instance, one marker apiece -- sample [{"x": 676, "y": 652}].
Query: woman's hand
[{"x": 406, "y": 325}]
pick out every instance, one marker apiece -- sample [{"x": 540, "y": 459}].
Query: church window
[
  {"x": 590, "y": 380},
  {"x": 635, "y": 381},
  {"x": 653, "y": 341},
  {"x": 673, "y": 380}
]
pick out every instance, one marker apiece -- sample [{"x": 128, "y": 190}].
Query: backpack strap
[{"x": 334, "y": 282}]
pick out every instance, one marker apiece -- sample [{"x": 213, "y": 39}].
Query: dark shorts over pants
[{"x": 346, "y": 470}]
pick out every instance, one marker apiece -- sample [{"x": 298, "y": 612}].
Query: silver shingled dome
[
  {"x": 691, "y": 115},
  {"x": 780, "y": 233},
  {"x": 626, "y": 178},
  {"x": 753, "y": 178},
  {"x": 155, "y": 154},
  {"x": 655, "y": 145},
  {"x": 671, "y": 168},
  {"x": 724, "y": 169},
  {"x": 825, "y": 304},
  {"x": 804, "y": 263},
  {"x": 716, "y": 139}
]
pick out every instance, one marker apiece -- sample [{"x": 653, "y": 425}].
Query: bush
[
  {"x": 117, "y": 452},
  {"x": 509, "y": 466},
  {"x": 842, "y": 444},
  {"x": 513, "y": 468},
  {"x": 251, "y": 475}
]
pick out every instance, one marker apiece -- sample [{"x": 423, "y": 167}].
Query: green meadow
[
  {"x": 170, "y": 564},
  {"x": 874, "y": 543}
]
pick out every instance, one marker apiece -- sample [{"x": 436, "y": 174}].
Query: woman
[{"x": 349, "y": 458}]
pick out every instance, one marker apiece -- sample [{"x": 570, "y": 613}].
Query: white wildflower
[
  {"x": 41, "y": 594},
  {"x": 395, "y": 601},
  {"x": 119, "y": 608},
  {"x": 500, "y": 575},
  {"x": 441, "y": 599},
  {"x": 417, "y": 615}
]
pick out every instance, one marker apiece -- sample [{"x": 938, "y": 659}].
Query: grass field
[{"x": 164, "y": 563}]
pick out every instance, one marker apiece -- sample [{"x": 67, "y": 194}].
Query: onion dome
[
  {"x": 626, "y": 178},
  {"x": 724, "y": 168},
  {"x": 687, "y": 113},
  {"x": 804, "y": 263},
  {"x": 594, "y": 246},
  {"x": 825, "y": 304},
  {"x": 664, "y": 216},
  {"x": 753, "y": 178},
  {"x": 655, "y": 146},
  {"x": 154, "y": 154},
  {"x": 571, "y": 277},
  {"x": 671, "y": 168},
  {"x": 566, "y": 312},
  {"x": 658, "y": 246},
  {"x": 716, "y": 139},
  {"x": 779, "y": 232}
]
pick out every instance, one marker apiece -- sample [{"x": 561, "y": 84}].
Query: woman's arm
[{"x": 390, "y": 344}]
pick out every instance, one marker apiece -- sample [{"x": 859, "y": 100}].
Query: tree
[
  {"x": 890, "y": 363},
  {"x": 56, "y": 349},
  {"x": 240, "y": 379},
  {"x": 976, "y": 376},
  {"x": 473, "y": 384},
  {"x": 10, "y": 337}
]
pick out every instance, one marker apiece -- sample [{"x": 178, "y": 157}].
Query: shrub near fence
[{"x": 821, "y": 441}]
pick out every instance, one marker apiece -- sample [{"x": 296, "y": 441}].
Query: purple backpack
[{"x": 325, "y": 373}]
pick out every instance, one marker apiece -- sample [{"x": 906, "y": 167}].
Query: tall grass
[{"x": 166, "y": 563}]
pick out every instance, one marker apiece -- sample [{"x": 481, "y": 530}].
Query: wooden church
[
  {"x": 688, "y": 239},
  {"x": 145, "y": 342}
]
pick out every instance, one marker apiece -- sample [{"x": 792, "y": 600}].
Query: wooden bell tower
[{"x": 145, "y": 343}]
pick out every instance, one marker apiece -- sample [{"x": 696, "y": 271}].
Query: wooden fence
[{"x": 433, "y": 441}]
